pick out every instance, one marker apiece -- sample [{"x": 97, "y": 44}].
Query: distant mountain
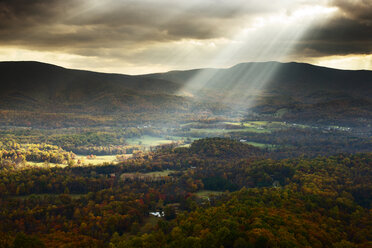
[
  {"x": 280, "y": 78},
  {"x": 298, "y": 90},
  {"x": 294, "y": 92},
  {"x": 34, "y": 84}
]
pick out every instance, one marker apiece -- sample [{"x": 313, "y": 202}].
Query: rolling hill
[
  {"x": 281, "y": 78},
  {"x": 34, "y": 84},
  {"x": 299, "y": 92}
]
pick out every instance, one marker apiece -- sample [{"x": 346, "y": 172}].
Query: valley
[{"x": 133, "y": 161}]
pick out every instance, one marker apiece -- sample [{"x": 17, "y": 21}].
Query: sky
[{"x": 145, "y": 36}]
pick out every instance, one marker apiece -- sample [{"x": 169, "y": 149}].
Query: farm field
[
  {"x": 263, "y": 125},
  {"x": 250, "y": 126},
  {"x": 44, "y": 164},
  {"x": 148, "y": 141},
  {"x": 260, "y": 145},
  {"x": 207, "y": 193},
  {"x": 160, "y": 173},
  {"x": 97, "y": 160},
  {"x": 217, "y": 131}
]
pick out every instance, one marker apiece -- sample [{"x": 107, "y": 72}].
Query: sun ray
[{"x": 271, "y": 39}]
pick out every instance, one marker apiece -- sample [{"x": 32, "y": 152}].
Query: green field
[
  {"x": 97, "y": 160},
  {"x": 160, "y": 173},
  {"x": 148, "y": 141},
  {"x": 249, "y": 126},
  {"x": 219, "y": 131},
  {"x": 260, "y": 145},
  {"x": 44, "y": 164},
  {"x": 260, "y": 124},
  {"x": 207, "y": 193}
]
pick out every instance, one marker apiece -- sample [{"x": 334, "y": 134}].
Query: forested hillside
[
  {"x": 320, "y": 202},
  {"x": 284, "y": 78},
  {"x": 37, "y": 86},
  {"x": 281, "y": 91}
]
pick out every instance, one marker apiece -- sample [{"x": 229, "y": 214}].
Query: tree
[
  {"x": 241, "y": 243},
  {"x": 169, "y": 212},
  {"x": 24, "y": 241}
]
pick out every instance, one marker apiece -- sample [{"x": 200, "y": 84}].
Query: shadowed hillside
[
  {"x": 34, "y": 84},
  {"x": 288, "y": 91}
]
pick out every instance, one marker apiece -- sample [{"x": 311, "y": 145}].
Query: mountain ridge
[
  {"x": 289, "y": 75},
  {"x": 32, "y": 82}
]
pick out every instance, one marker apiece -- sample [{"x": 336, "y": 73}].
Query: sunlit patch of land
[
  {"x": 97, "y": 160},
  {"x": 197, "y": 129},
  {"x": 260, "y": 145},
  {"x": 160, "y": 173},
  {"x": 147, "y": 140},
  {"x": 257, "y": 123},
  {"x": 44, "y": 164},
  {"x": 81, "y": 160},
  {"x": 204, "y": 194},
  {"x": 217, "y": 131}
]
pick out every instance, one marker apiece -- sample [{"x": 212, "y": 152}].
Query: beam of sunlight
[{"x": 264, "y": 40}]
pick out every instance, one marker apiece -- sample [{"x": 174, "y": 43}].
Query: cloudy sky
[{"x": 143, "y": 36}]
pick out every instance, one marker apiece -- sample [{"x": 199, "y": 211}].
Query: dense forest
[{"x": 298, "y": 202}]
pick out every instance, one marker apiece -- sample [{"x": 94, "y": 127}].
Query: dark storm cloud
[
  {"x": 360, "y": 10},
  {"x": 21, "y": 14},
  {"x": 46, "y": 24},
  {"x": 90, "y": 27},
  {"x": 30, "y": 22},
  {"x": 348, "y": 32}
]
